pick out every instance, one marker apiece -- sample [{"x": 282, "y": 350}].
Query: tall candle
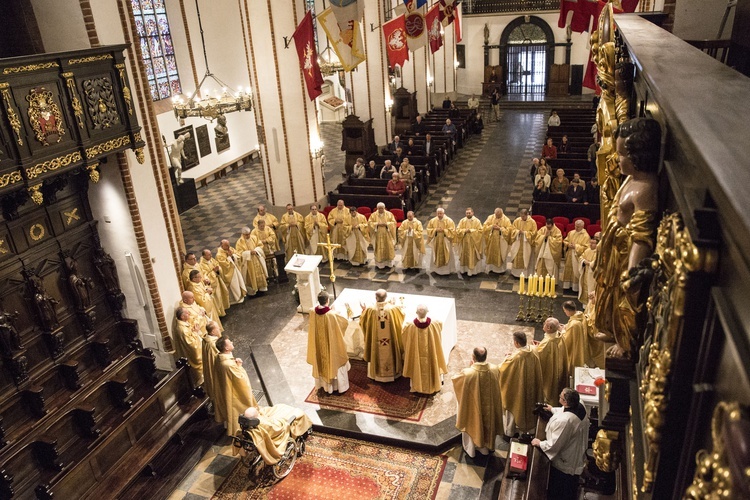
[
  {"x": 532, "y": 285},
  {"x": 552, "y": 288},
  {"x": 546, "y": 286},
  {"x": 540, "y": 287},
  {"x": 521, "y": 285}
]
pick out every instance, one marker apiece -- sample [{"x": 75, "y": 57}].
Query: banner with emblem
[
  {"x": 347, "y": 12},
  {"x": 447, "y": 11},
  {"x": 432, "y": 19},
  {"x": 304, "y": 41},
  {"x": 395, "y": 41},
  {"x": 416, "y": 29},
  {"x": 348, "y": 44},
  {"x": 414, "y": 4}
]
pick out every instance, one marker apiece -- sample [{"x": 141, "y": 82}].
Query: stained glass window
[{"x": 157, "y": 48}]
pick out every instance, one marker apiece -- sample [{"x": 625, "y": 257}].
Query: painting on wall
[
  {"x": 191, "y": 158},
  {"x": 204, "y": 142}
]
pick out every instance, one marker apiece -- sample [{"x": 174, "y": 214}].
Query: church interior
[{"x": 194, "y": 193}]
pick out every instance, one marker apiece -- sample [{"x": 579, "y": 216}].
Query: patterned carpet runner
[
  {"x": 392, "y": 400},
  {"x": 341, "y": 468}
]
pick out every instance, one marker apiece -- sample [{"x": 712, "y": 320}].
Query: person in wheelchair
[{"x": 276, "y": 434}]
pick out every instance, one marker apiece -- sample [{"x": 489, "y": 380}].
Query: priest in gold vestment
[
  {"x": 479, "y": 416},
  {"x": 410, "y": 235},
  {"x": 326, "y": 350},
  {"x": 253, "y": 262},
  {"x": 267, "y": 237},
  {"x": 198, "y": 315},
  {"x": 424, "y": 362},
  {"x": 232, "y": 385},
  {"x": 231, "y": 262},
  {"x": 188, "y": 344},
  {"x": 204, "y": 297},
  {"x": 469, "y": 244},
  {"x": 520, "y": 387},
  {"x": 190, "y": 264},
  {"x": 210, "y": 352},
  {"x": 340, "y": 223},
  {"x": 522, "y": 238},
  {"x": 272, "y": 432},
  {"x": 576, "y": 338},
  {"x": 549, "y": 250},
  {"x": 292, "y": 229},
  {"x": 384, "y": 347},
  {"x": 270, "y": 220},
  {"x": 576, "y": 242},
  {"x": 211, "y": 270},
  {"x": 316, "y": 229},
  {"x": 441, "y": 231},
  {"x": 497, "y": 230},
  {"x": 358, "y": 238},
  {"x": 553, "y": 359},
  {"x": 383, "y": 236},
  {"x": 586, "y": 281}
]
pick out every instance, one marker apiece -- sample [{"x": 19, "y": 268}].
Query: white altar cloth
[{"x": 441, "y": 309}]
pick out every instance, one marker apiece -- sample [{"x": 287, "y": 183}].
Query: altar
[{"x": 441, "y": 309}]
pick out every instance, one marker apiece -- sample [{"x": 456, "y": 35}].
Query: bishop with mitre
[
  {"x": 384, "y": 348},
  {"x": 326, "y": 350},
  {"x": 424, "y": 362}
]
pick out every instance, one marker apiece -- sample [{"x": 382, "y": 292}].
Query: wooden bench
[
  {"x": 363, "y": 200},
  {"x": 223, "y": 170}
]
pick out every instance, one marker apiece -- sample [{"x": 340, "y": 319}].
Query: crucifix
[{"x": 329, "y": 249}]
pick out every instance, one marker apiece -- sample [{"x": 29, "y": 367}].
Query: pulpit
[
  {"x": 357, "y": 139},
  {"x": 305, "y": 268},
  {"x": 404, "y": 110},
  {"x": 492, "y": 80}
]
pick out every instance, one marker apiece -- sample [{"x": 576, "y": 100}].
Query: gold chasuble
[
  {"x": 270, "y": 436},
  {"x": 232, "y": 387},
  {"x": 209, "y": 374},
  {"x": 358, "y": 240},
  {"x": 188, "y": 345},
  {"x": 197, "y": 316},
  {"x": 410, "y": 235},
  {"x": 549, "y": 248},
  {"x": 186, "y": 268},
  {"x": 340, "y": 222},
  {"x": 577, "y": 342},
  {"x": 571, "y": 270},
  {"x": 522, "y": 237},
  {"x": 383, "y": 231},
  {"x": 204, "y": 299},
  {"x": 586, "y": 281},
  {"x": 230, "y": 262},
  {"x": 267, "y": 238},
  {"x": 553, "y": 359},
  {"x": 469, "y": 244},
  {"x": 615, "y": 307},
  {"x": 326, "y": 350},
  {"x": 211, "y": 270},
  {"x": 497, "y": 232},
  {"x": 521, "y": 389},
  {"x": 270, "y": 220},
  {"x": 440, "y": 235},
  {"x": 253, "y": 263},
  {"x": 316, "y": 229},
  {"x": 292, "y": 229},
  {"x": 477, "y": 390},
  {"x": 424, "y": 361},
  {"x": 384, "y": 347}
]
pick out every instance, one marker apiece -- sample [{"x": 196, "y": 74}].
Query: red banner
[
  {"x": 457, "y": 25},
  {"x": 447, "y": 11},
  {"x": 566, "y": 6},
  {"x": 304, "y": 41},
  {"x": 395, "y": 41},
  {"x": 432, "y": 19}
]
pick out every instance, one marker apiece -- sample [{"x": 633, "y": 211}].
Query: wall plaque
[
  {"x": 191, "y": 147},
  {"x": 204, "y": 142}
]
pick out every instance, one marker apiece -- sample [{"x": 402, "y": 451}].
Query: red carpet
[
  {"x": 345, "y": 469},
  {"x": 392, "y": 400}
]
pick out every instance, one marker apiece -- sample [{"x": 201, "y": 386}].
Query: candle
[
  {"x": 532, "y": 284},
  {"x": 552, "y": 288},
  {"x": 521, "y": 285},
  {"x": 540, "y": 286},
  {"x": 546, "y": 286}
]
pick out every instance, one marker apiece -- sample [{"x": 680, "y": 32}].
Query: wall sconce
[
  {"x": 429, "y": 80},
  {"x": 316, "y": 148},
  {"x": 388, "y": 105}
]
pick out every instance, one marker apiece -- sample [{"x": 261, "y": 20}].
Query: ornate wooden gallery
[
  {"x": 674, "y": 416},
  {"x": 77, "y": 390}
]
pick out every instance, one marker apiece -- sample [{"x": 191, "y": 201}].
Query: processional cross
[{"x": 329, "y": 248}]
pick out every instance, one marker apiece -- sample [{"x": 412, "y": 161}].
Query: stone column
[{"x": 289, "y": 135}]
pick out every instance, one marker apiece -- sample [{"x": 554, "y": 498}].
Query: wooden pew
[{"x": 363, "y": 200}]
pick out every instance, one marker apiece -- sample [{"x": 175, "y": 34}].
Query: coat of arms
[
  {"x": 396, "y": 41},
  {"x": 434, "y": 32},
  {"x": 44, "y": 116},
  {"x": 414, "y": 25},
  {"x": 309, "y": 66}
]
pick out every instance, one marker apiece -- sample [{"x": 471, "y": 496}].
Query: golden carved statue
[{"x": 628, "y": 236}]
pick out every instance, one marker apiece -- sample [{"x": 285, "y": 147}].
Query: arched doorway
[{"x": 526, "y": 52}]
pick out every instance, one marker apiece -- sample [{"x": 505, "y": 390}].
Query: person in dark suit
[
  {"x": 575, "y": 192},
  {"x": 395, "y": 144},
  {"x": 429, "y": 145},
  {"x": 418, "y": 127},
  {"x": 592, "y": 191}
]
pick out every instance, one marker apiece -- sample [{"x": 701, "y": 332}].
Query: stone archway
[{"x": 527, "y": 47}]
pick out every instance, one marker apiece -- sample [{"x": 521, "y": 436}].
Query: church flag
[
  {"x": 347, "y": 12},
  {"x": 416, "y": 30},
  {"x": 447, "y": 11},
  {"x": 347, "y": 45},
  {"x": 304, "y": 41},
  {"x": 566, "y": 6},
  {"x": 457, "y": 25},
  {"x": 432, "y": 19},
  {"x": 395, "y": 41},
  {"x": 414, "y": 4}
]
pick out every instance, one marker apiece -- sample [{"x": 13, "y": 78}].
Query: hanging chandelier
[{"x": 202, "y": 103}]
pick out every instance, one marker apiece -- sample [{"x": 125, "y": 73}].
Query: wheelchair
[{"x": 251, "y": 458}]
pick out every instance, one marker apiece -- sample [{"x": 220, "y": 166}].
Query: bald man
[
  {"x": 554, "y": 361},
  {"x": 441, "y": 231}
]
